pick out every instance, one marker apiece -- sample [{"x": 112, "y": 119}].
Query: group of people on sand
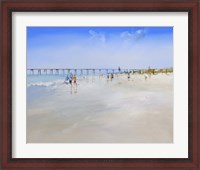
[
  {"x": 110, "y": 76},
  {"x": 71, "y": 79},
  {"x": 146, "y": 76}
]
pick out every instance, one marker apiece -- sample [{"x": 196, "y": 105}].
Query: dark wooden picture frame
[{"x": 10, "y": 6}]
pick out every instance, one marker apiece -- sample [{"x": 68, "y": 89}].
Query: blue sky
[{"x": 99, "y": 47}]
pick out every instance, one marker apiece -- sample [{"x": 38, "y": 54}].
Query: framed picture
[{"x": 100, "y": 84}]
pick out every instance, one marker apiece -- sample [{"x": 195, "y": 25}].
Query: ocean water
[
  {"x": 40, "y": 88},
  {"x": 33, "y": 79}
]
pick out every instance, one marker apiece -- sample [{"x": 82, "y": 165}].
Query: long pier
[
  {"x": 87, "y": 71},
  {"x": 57, "y": 71}
]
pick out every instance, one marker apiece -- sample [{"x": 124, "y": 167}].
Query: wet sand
[{"x": 101, "y": 111}]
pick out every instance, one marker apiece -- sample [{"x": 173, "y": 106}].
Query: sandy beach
[{"x": 102, "y": 111}]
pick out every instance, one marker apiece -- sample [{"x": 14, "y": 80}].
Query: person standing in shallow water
[
  {"x": 75, "y": 80},
  {"x": 66, "y": 79},
  {"x": 70, "y": 81}
]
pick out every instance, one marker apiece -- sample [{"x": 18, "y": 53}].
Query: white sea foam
[{"x": 46, "y": 84}]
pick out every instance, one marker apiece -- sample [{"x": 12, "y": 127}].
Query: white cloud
[
  {"x": 97, "y": 35},
  {"x": 137, "y": 35}
]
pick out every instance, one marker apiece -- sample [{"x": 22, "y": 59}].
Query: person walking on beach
[
  {"x": 111, "y": 76},
  {"x": 107, "y": 76},
  {"x": 128, "y": 76},
  {"x": 119, "y": 69},
  {"x": 145, "y": 76}
]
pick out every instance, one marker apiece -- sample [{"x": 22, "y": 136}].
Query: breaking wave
[{"x": 45, "y": 84}]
